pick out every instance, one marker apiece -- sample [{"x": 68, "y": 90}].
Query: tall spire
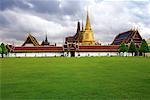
[
  {"x": 46, "y": 38},
  {"x": 45, "y": 42},
  {"x": 88, "y": 25},
  {"x": 82, "y": 25},
  {"x": 78, "y": 27}
]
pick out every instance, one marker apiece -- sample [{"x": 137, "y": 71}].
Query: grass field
[{"x": 88, "y": 78}]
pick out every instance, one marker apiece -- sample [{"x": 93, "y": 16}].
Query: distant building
[
  {"x": 80, "y": 44},
  {"x": 83, "y": 43},
  {"x": 31, "y": 48},
  {"x": 45, "y": 42},
  {"x": 84, "y": 36},
  {"x": 127, "y": 37}
]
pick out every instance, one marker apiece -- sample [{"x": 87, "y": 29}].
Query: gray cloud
[
  {"x": 46, "y": 6},
  {"x": 58, "y": 18},
  {"x": 9, "y": 4}
]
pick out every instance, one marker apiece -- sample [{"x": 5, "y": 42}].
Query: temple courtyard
[{"x": 84, "y": 78}]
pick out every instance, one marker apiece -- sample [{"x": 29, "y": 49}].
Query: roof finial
[
  {"x": 78, "y": 26},
  {"x": 82, "y": 25},
  {"x": 46, "y": 38},
  {"x": 88, "y": 26}
]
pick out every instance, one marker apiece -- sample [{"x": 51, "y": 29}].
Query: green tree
[
  {"x": 4, "y": 50},
  {"x": 144, "y": 47},
  {"x": 132, "y": 48},
  {"x": 123, "y": 48}
]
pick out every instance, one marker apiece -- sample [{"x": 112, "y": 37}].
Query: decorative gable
[
  {"x": 30, "y": 41},
  {"x": 127, "y": 37}
]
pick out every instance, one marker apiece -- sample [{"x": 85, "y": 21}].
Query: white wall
[
  {"x": 49, "y": 54},
  {"x": 96, "y": 54},
  {"x": 53, "y": 54},
  {"x": 100, "y": 54}
]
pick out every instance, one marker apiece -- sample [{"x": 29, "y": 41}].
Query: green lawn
[{"x": 87, "y": 78}]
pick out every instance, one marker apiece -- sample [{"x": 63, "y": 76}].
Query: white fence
[
  {"x": 57, "y": 54},
  {"x": 35, "y": 54}
]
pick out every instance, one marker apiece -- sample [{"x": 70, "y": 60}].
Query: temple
[
  {"x": 31, "y": 48},
  {"x": 84, "y": 36},
  {"x": 127, "y": 37},
  {"x": 80, "y": 44}
]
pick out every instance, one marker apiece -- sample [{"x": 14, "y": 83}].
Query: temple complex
[{"x": 80, "y": 44}]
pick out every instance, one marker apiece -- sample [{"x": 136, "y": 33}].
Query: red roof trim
[
  {"x": 38, "y": 49},
  {"x": 111, "y": 48}
]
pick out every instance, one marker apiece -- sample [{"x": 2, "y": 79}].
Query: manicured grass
[{"x": 88, "y": 78}]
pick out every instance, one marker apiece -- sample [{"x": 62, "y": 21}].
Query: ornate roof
[
  {"x": 45, "y": 42},
  {"x": 76, "y": 37},
  {"x": 30, "y": 40},
  {"x": 127, "y": 37},
  {"x": 69, "y": 39}
]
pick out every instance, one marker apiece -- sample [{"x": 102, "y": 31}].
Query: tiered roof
[
  {"x": 45, "y": 42},
  {"x": 74, "y": 38},
  {"x": 127, "y": 37}
]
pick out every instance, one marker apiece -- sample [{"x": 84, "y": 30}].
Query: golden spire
[{"x": 88, "y": 25}]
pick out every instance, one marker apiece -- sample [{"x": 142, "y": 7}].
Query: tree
[
  {"x": 144, "y": 47},
  {"x": 132, "y": 48},
  {"x": 4, "y": 50},
  {"x": 123, "y": 48}
]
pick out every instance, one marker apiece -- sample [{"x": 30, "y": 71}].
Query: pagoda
[
  {"x": 45, "y": 42},
  {"x": 87, "y": 34},
  {"x": 84, "y": 36}
]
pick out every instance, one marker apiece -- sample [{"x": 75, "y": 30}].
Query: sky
[{"x": 58, "y": 19}]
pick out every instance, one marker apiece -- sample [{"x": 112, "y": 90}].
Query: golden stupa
[
  {"x": 87, "y": 33},
  {"x": 83, "y": 36}
]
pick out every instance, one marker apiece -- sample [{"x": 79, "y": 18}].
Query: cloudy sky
[{"x": 58, "y": 18}]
